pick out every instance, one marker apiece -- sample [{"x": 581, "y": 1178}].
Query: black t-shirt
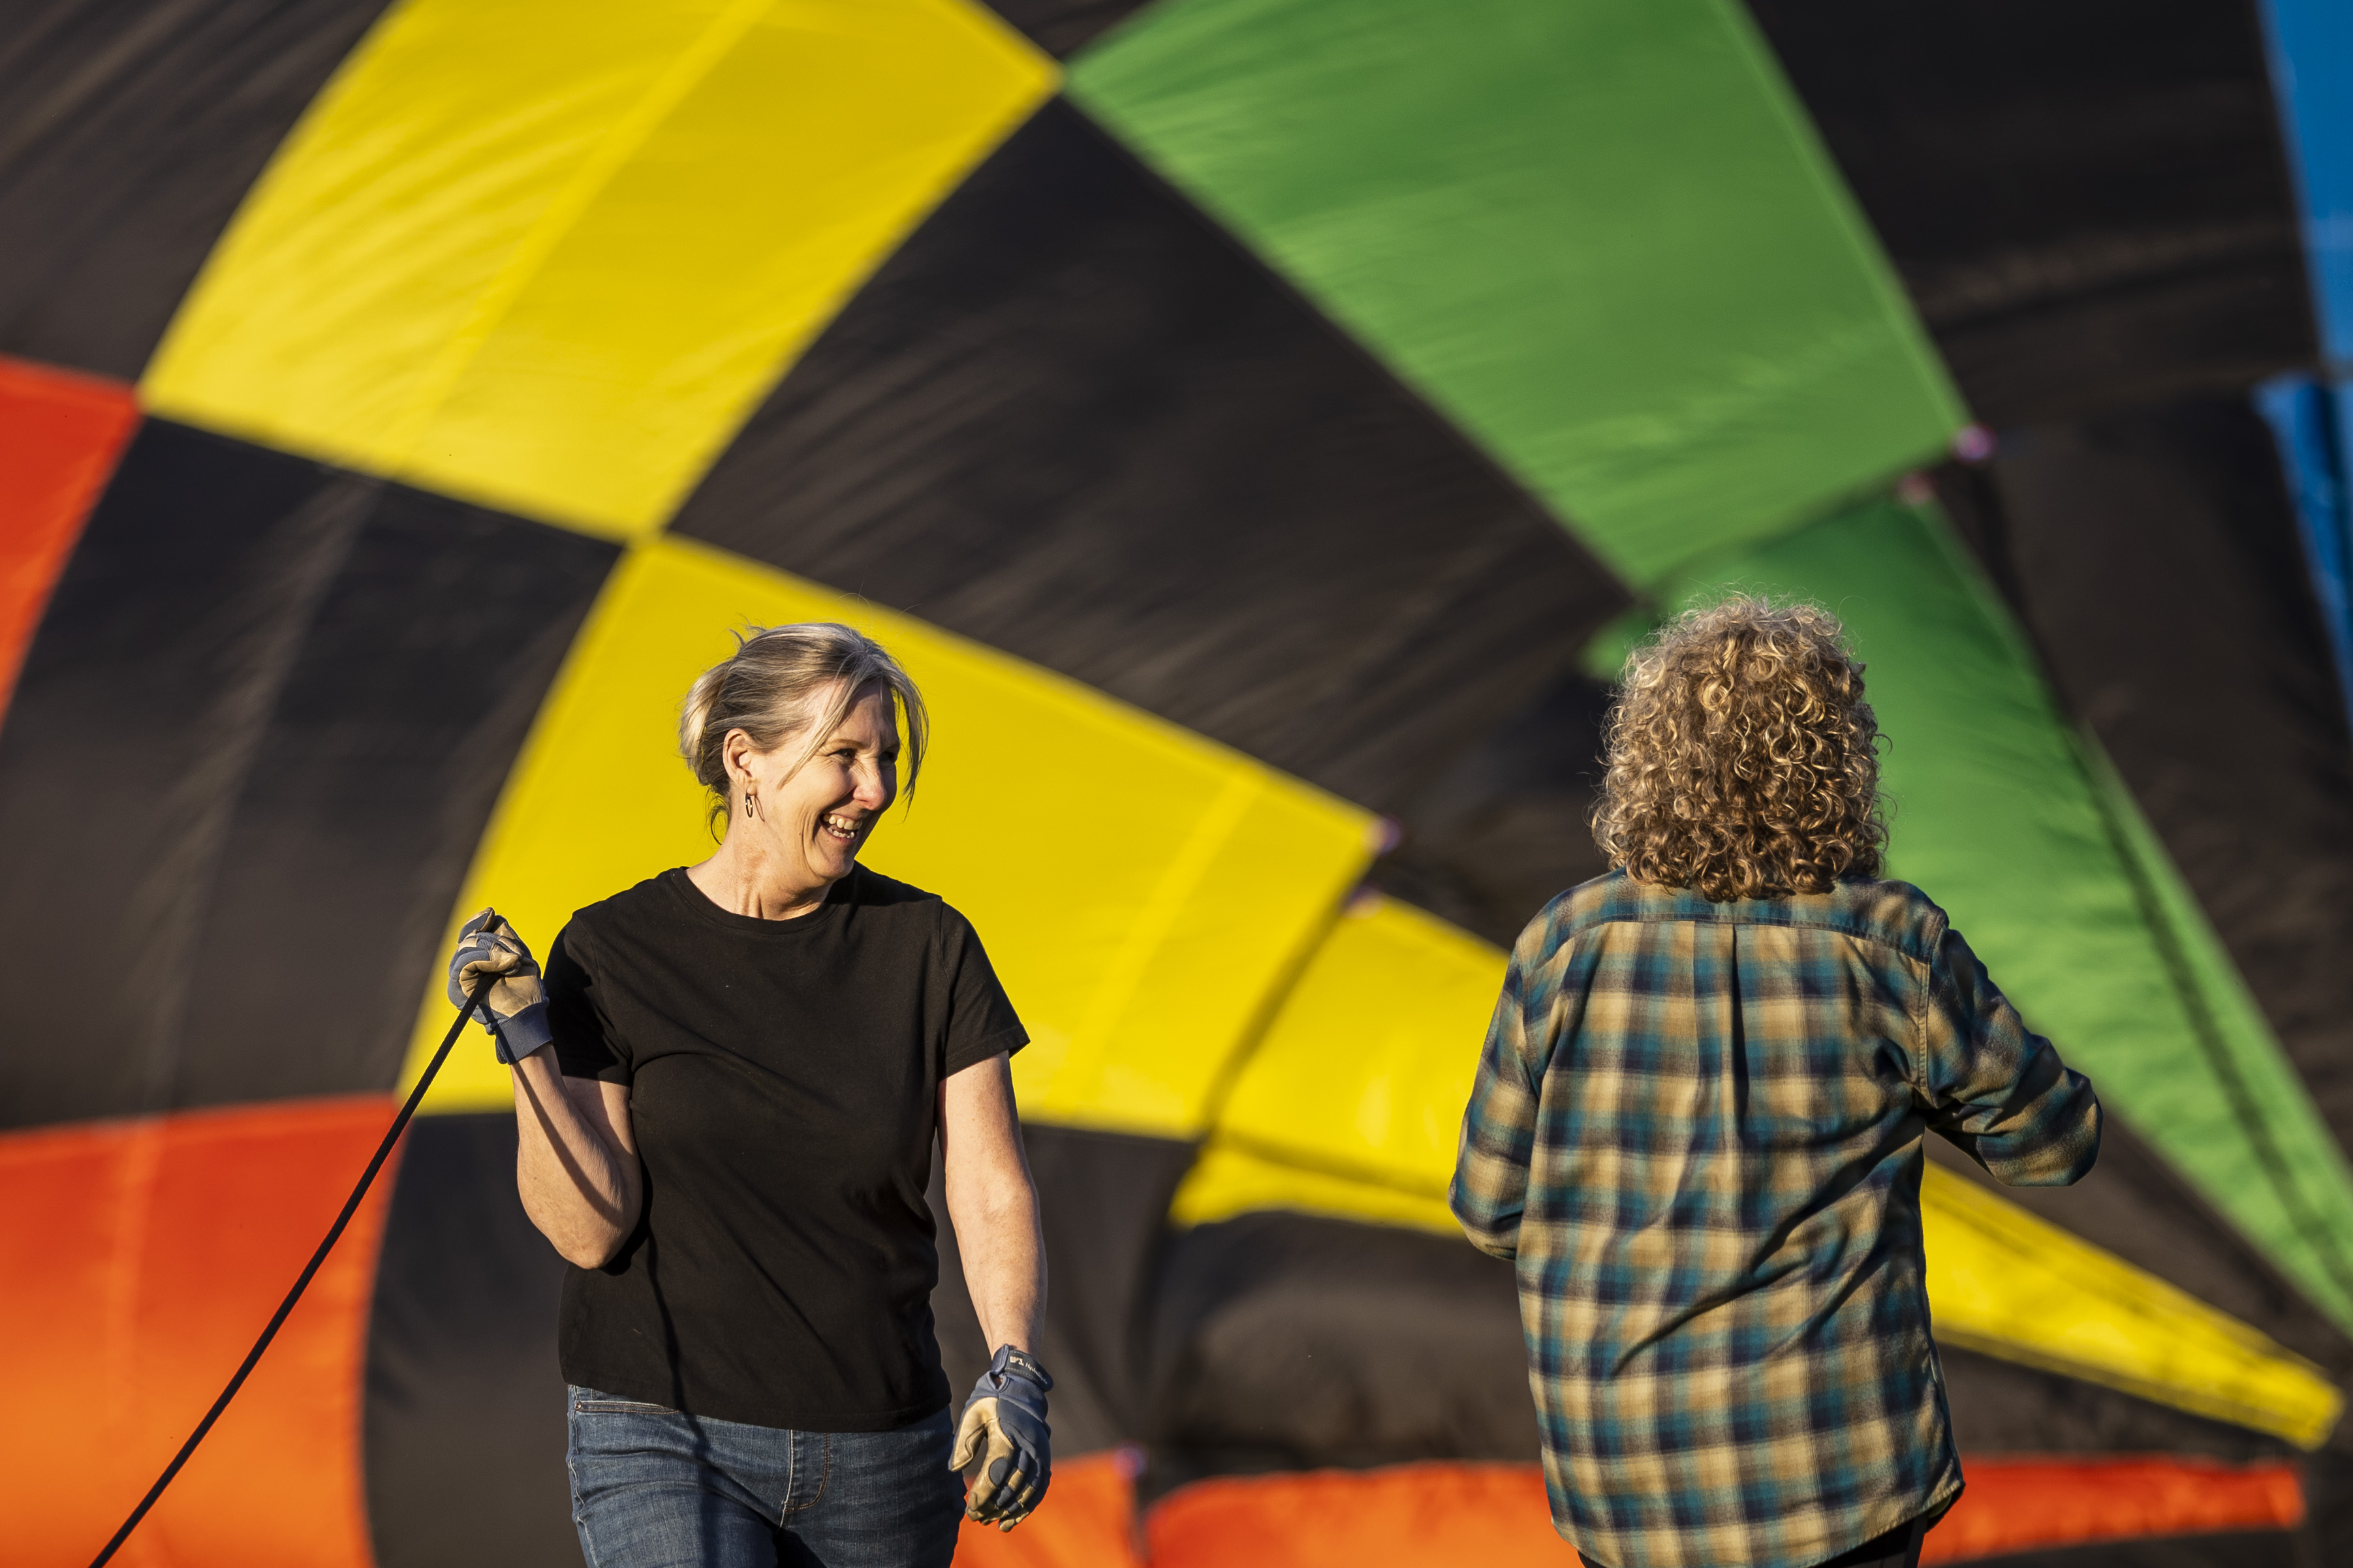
[{"x": 783, "y": 1076}]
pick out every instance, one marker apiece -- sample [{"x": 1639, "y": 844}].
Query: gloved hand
[
  {"x": 1004, "y": 1431},
  {"x": 514, "y": 1009}
]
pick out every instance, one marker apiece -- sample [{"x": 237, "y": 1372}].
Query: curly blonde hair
[{"x": 1743, "y": 759}]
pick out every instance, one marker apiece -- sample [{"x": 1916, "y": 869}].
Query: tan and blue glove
[
  {"x": 1003, "y": 1433},
  {"x": 514, "y": 1009}
]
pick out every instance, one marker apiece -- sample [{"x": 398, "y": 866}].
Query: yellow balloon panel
[
  {"x": 1232, "y": 1178},
  {"x": 2000, "y": 1281},
  {"x": 547, "y": 257},
  {"x": 1142, "y": 890},
  {"x": 1351, "y": 1108},
  {"x": 1369, "y": 1063},
  {"x": 2005, "y": 1282},
  {"x": 1351, "y": 1105}
]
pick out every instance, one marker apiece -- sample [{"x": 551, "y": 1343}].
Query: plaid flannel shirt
[{"x": 1696, "y": 1128}]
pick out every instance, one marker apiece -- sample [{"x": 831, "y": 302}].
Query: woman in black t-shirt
[{"x": 730, "y": 1140}]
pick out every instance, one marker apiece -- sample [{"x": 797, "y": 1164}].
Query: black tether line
[{"x": 334, "y": 1234}]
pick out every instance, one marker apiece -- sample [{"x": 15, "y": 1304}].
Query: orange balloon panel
[
  {"x": 2020, "y": 1505},
  {"x": 1088, "y": 1521},
  {"x": 1495, "y": 1516},
  {"x": 59, "y": 435},
  {"x": 1411, "y": 1516},
  {"x": 139, "y": 1258}
]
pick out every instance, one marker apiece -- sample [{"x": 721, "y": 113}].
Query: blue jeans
[{"x": 655, "y": 1488}]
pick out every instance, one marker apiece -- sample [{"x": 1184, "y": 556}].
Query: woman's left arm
[{"x": 992, "y": 1204}]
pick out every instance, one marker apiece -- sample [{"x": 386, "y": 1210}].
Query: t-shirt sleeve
[
  {"x": 585, "y": 1046},
  {"x": 981, "y": 1020}
]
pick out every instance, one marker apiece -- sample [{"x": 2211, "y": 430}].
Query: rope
[{"x": 278, "y": 1320}]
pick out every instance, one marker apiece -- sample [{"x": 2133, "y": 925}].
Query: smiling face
[{"x": 811, "y": 823}]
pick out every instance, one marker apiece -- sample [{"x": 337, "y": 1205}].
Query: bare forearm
[
  {"x": 1004, "y": 1261},
  {"x": 993, "y": 1203},
  {"x": 579, "y": 1184}
]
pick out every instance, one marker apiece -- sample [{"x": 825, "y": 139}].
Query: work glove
[
  {"x": 1004, "y": 1432},
  {"x": 514, "y": 1009}
]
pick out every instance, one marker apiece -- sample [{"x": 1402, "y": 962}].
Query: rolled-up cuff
[{"x": 525, "y": 1033}]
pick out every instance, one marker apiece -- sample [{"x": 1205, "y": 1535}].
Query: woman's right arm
[
  {"x": 576, "y": 1164},
  {"x": 1497, "y": 1143},
  {"x": 575, "y": 1161}
]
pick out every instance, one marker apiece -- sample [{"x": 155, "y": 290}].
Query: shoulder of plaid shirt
[{"x": 1696, "y": 1130}]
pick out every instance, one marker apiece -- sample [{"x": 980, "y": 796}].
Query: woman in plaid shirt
[{"x": 1696, "y": 1126}]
